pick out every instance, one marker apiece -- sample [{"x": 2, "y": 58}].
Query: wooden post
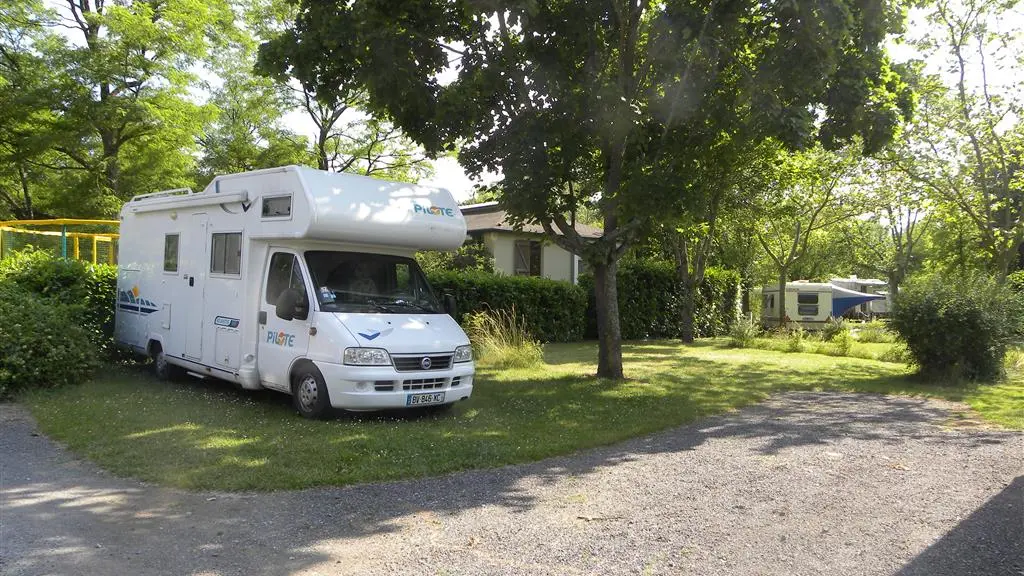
[
  {"x": 95, "y": 250},
  {"x": 77, "y": 252}
]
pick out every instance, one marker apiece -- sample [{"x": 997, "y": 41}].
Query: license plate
[{"x": 424, "y": 399}]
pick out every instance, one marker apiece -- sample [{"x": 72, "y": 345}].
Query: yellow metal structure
[{"x": 94, "y": 239}]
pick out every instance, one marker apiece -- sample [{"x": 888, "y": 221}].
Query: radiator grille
[{"x": 414, "y": 363}]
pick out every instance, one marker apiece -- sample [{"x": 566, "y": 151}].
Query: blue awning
[{"x": 844, "y": 299}]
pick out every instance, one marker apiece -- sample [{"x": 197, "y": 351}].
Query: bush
[
  {"x": 470, "y": 256},
  {"x": 743, "y": 332},
  {"x": 42, "y": 344},
  {"x": 875, "y": 332},
  {"x": 91, "y": 289},
  {"x": 834, "y": 327},
  {"x": 501, "y": 339},
  {"x": 841, "y": 343},
  {"x": 795, "y": 339},
  {"x": 958, "y": 327},
  {"x": 650, "y": 297},
  {"x": 552, "y": 311}
]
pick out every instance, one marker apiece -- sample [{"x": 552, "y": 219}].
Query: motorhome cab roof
[{"x": 296, "y": 280}]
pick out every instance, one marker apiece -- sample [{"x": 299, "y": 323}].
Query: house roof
[{"x": 488, "y": 217}]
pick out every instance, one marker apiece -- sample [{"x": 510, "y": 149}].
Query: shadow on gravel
[{"x": 989, "y": 542}]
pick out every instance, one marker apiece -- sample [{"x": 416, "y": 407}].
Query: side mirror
[
  {"x": 289, "y": 305},
  {"x": 450, "y": 306}
]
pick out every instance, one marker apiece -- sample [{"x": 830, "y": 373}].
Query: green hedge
[
  {"x": 42, "y": 342},
  {"x": 958, "y": 327},
  {"x": 90, "y": 289},
  {"x": 649, "y": 301},
  {"x": 554, "y": 311}
]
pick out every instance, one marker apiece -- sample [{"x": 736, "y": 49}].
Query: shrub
[
  {"x": 743, "y": 332},
  {"x": 552, "y": 311},
  {"x": 841, "y": 343},
  {"x": 650, "y": 297},
  {"x": 833, "y": 328},
  {"x": 898, "y": 352},
  {"x": 875, "y": 332},
  {"x": 795, "y": 339},
  {"x": 42, "y": 344},
  {"x": 92, "y": 289},
  {"x": 958, "y": 327},
  {"x": 501, "y": 339}
]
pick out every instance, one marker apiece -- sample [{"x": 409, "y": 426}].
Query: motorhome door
[
  {"x": 282, "y": 340},
  {"x": 192, "y": 285}
]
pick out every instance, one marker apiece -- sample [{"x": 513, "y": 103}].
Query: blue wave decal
[{"x": 369, "y": 335}]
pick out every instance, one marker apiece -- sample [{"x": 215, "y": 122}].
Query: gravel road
[{"x": 807, "y": 483}]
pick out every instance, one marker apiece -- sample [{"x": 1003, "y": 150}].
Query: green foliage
[
  {"x": 501, "y": 339},
  {"x": 833, "y": 328},
  {"x": 874, "y": 332},
  {"x": 42, "y": 343},
  {"x": 89, "y": 290},
  {"x": 469, "y": 256},
  {"x": 650, "y": 298},
  {"x": 552, "y": 311},
  {"x": 795, "y": 336},
  {"x": 743, "y": 332},
  {"x": 841, "y": 342},
  {"x": 958, "y": 327}
]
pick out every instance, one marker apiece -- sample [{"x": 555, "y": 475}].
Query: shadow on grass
[{"x": 202, "y": 434}]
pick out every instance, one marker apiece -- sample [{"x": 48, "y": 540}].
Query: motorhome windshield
[{"x": 357, "y": 282}]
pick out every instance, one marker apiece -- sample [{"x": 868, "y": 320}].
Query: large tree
[
  {"x": 965, "y": 146},
  {"x": 603, "y": 103}
]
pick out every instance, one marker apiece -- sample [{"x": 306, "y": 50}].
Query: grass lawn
[{"x": 206, "y": 435}]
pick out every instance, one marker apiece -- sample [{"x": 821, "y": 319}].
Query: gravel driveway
[{"x": 806, "y": 483}]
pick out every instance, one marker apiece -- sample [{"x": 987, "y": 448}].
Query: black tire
[
  {"x": 163, "y": 369},
  {"x": 309, "y": 393}
]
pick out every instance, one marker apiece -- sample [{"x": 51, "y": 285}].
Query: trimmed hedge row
[
  {"x": 553, "y": 311},
  {"x": 650, "y": 298}
]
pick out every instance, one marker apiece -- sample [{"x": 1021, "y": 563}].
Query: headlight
[
  {"x": 367, "y": 357},
  {"x": 463, "y": 354}
]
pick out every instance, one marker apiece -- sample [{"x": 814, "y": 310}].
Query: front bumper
[{"x": 367, "y": 387}]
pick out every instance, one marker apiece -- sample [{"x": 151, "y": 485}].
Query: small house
[{"x": 523, "y": 251}]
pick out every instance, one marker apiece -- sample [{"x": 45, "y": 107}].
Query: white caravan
[
  {"x": 300, "y": 281},
  {"x": 810, "y": 304}
]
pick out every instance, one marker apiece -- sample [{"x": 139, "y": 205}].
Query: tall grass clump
[
  {"x": 501, "y": 339},
  {"x": 795, "y": 339},
  {"x": 743, "y": 332}
]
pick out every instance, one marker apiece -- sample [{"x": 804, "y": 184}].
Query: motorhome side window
[
  {"x": 226, "y": 253},
  {"x": 807, "y": 304},
  {"x": 277, "y": 207},
  {"x": 284, "y": 273},
  {"x": 170, "y": 253}
]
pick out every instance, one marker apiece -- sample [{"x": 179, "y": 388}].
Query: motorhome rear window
[
  {"x": 226, "y": 253},
  {"x": 807, "y": 298},
  {"x": 170, "y": 253}
]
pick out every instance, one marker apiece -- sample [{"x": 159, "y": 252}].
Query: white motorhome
[{"x": 296, "y": 280}]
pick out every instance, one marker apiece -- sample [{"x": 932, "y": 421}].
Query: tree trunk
[
  {"x": 686, "y": 311},
  {"x": 609, "y": 333},
  {"x": 782, "y": 297}
]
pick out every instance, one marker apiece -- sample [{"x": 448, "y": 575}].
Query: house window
[
  {"x": 807, "y": 304},
  {"x": 171, "y": 253},
  {"x": 527, "y": 258},
  {"x": 226, "y": 253}
]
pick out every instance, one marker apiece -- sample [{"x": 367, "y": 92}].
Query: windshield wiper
[{"x": 414, "y": 305}]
